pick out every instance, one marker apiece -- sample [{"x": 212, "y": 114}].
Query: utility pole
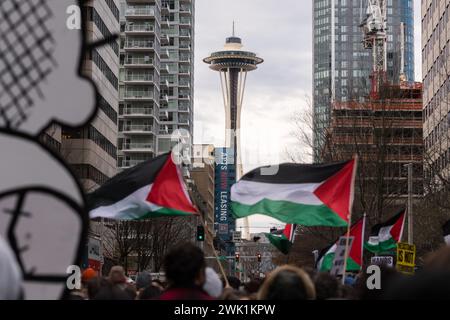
[{"x": 410, "y": 207}]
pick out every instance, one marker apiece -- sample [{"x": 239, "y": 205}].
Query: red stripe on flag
[
  {"x": 357, "y": 231},
  {"x": 168, "y": 191},
  {"x": 396, "y": 229},
  {"x": 336, "y": 191}
]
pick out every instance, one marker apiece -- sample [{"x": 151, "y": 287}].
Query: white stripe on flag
[
  {"x": 131, "y": 207},
  {"x": 250, "y": 192}
]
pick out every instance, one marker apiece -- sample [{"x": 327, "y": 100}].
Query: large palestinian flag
[
  {"x": 355, "y": 256},
  {"x": 385, "y": 236},
  {"x": 284, "y": 240},
  {"x": 151, "y": 189},
  {"x": 304, "y": 194}
]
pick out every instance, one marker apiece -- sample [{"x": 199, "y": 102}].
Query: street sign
[
  {"x": 406, "y": 257},
  {"x": 339, "y": 256},
  {"x": 237, "y": 236},
  {"x": 382, "y": 261}
]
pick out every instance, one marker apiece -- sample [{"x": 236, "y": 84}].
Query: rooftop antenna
[{"x": 233, "y": 29}]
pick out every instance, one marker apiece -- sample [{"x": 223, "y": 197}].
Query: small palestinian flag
[
  {"x": 284, "y": 240},
  {"x": 385, "y": 236},
  {"x": 153, "y": 188},
  {"x": 355, "y": 256},
  {"x": 304, "y": 194},
  {"x": 446, "y": 231}
]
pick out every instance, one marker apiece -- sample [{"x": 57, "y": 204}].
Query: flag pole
[
  {"x": 349, "y": 217},
  {"x": 362, "y": 240},
  {"x": 208, "y": 239}
]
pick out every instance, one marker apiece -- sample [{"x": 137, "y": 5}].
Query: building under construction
[{"x": 386, "y": 133}]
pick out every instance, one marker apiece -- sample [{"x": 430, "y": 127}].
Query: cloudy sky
[{"x": 281, "y": 33}]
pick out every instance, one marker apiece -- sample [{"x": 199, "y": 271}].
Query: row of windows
[
  {"x": 104, "y": 68},
  {"x": 115, "y": 11},
  {"x": 94, "y": 135},
  {"x": 93, "y": 16},
  {"x": 435, "y": 37},
  {"x": 107, "y": 109},
  {"x": 439, "y": 131},
  {"x": 86, "y": 171},
  {"x": 50, "y": 142},
  {"x": 440, "y": 98},
  {"x": 439, "y": 164}
]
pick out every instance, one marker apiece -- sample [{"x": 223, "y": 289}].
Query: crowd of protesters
[{"x": 188, "y": 278}]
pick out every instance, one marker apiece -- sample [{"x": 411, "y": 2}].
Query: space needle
[{"x": 233, "y": 63}]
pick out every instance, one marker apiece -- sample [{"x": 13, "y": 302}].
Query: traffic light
[
  {"x": 200, "y": 233},
  {"x": 237, "y": 257},
  {"x": 259, "y": 257}
]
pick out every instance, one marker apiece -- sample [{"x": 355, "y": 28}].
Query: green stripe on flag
[
  {"x": 290, "y": 212},
  {"x": 382, "y": 247},
  {"x": 327, "y": 264}
]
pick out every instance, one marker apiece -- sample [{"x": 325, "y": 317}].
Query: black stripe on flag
[
  {"x": 126, "y": 182},
  {"x": 376, "y": 228},
  {"x": 296, "y": 173}
]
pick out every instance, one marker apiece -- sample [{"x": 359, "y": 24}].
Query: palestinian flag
[
  {"x": 284, "y": 240},
  {"x": 385, "y": 236},
  {"x": 304, "y": 194},
  {"x": 446, "y": 231},
  {"x": 153, "y": 188},
  {"x": 355, "y": 256}
]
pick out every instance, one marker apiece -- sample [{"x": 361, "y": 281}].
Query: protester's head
[
  {"x": 112, "y": 292},
  {"x": 327, "y": 286},
  {"x": 252, "y": 286},
  {"x": 213, "y": 284},
  {"x": 10, "y": 274},
  {"x": 94, "y": 285},
  {"x": 230, "y": 294},
  {"x": 158, "y": 283},
  {"x": 287, "y": 283},
  {"x": 234, "y": 282},
  {"x": 434, "y": 285},
  {"x": 117, "y": 275},
  {"x": 150, "y": 293},
  {"x": 88, "y": 274},
  {"x": 439, "y": 260},
  {"x": 387, "y": 277},
  {"x": 185, "y": 266},
  {"x": 143, "y": 280}
]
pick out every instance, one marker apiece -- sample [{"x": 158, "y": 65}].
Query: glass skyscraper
[{"x": 342, "y": 66}]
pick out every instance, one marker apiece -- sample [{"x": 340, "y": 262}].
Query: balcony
[
  {"x": 164, "y": 83},
  {"x": 185, "y": 10},
  {"x": 138, "y": 129},
  {"x": 184, "y": 84},
  {"x": 140, "y": 13},
  {"x": 185, "y": 46},
  {"x": 138, "y": 112},
  {"x": 130, "y": 163},
  {"x": 164, "y": 115},
  {"x": 164, "y": 69},
  {"x": 185, "y": 58},
  {"x": 184, "y": 121},
  {"x": 183, "y": 107},
  {"x": 185, "y": 22},
  {"x": 139, "y": 45},
  {"x": 164, "y": 97},
  {"x": 137, "y": 147},
  {"x": 163, "y": 130},
  {"x": 182, "y": 96},
  {"x": 135, "y": 62},
  {"x": 138, "y": 95},
  {"x": 139, "y": 78},
  {"x": 146, "y": 28},
  {"x": 165, "y": 39},
  {"x": 184, "y": 71},
  {"x": 165, "y": 54}
]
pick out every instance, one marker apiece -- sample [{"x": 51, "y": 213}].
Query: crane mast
[{"x": 374, "y": 27}]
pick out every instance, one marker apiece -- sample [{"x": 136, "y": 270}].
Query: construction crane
[{"x": 374, "y": 27}]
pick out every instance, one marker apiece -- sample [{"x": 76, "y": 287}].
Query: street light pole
[{"x": 410, "y": 207}]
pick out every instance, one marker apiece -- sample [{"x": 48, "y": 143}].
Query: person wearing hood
[{"x": 213, "y": 284}]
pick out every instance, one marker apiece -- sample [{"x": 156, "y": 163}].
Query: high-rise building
[
  {"x": 156, "y": 76},
  {"x": 92, "y": 151},
  {"x": 436, "y": 85},
  {"x": 342, "y": 66}
]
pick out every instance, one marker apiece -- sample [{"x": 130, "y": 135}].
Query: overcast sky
[{"x": 281, "y": 33}]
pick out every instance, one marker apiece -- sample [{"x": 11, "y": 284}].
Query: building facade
[
  {"x": 341, "y": 64},
  {"x": 436, "y": 82},
  {"x": 156, "y": 77},
  {"x": 92, "y": 151}
]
